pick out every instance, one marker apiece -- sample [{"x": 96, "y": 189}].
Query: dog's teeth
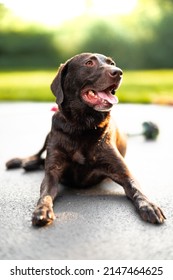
[
  {"x": 50, "y": 216},
  {"x": 91, "y": 93},
  {"x": 40, "y": 217}
]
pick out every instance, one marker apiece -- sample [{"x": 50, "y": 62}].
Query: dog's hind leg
[{"x": 31, "y": 163}]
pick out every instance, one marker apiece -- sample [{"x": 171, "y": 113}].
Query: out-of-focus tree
[
  {"x": 142, "y": 39},
  {"x": 155, "y": 19},
  {"x": 24, "y": 46}
]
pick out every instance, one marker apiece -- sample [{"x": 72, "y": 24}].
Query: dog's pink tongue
[{"x": 113, "y": 99}]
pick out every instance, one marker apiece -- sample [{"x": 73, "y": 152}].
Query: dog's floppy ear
[{"x": 56, "y": 85}]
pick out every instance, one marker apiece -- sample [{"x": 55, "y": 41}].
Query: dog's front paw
[
  {"x": 151, "y": 213},
  {"x": 43, "y": 215}
]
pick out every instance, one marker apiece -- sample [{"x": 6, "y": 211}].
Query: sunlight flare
[{"x": 52, "y": 13}]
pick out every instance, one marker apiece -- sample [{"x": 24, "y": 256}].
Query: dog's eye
[
  {"x": 111, "y": 62},
  {"x": 89, "y": 63}
]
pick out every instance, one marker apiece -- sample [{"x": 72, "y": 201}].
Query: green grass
[
  {"x": 137, "y": 87},
  {"x": 26, "y": 85},
  {"x": 154, "y": 86}
]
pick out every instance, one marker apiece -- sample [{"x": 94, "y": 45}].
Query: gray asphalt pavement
[{"x": 99, "y": 223}]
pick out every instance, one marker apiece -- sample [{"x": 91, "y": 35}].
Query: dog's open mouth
[{"x": 101, "y": 100}]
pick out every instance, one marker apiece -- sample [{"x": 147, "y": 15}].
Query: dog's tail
[{"x": 31, "y": 163}]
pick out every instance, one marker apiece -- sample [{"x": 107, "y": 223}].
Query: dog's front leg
[
  {"x": 148, "y": 211},
  {"x": 44, "y": 213}
]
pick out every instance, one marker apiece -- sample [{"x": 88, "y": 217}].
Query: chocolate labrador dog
[{"x": 84, "y": 146}]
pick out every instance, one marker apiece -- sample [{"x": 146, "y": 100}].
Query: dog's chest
[
  {"x": 78, "y": 157},
  {"x": 85, "y": 149},
  {"x": 80, "y": 168}
]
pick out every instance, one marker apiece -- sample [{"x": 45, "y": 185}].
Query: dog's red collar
[{"x": 54, "y": 109}]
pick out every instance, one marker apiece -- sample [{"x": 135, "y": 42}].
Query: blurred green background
[{"x": 141, "y": 43}]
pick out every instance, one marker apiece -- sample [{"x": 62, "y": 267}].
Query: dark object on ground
[{"x": 150, "y": 131}]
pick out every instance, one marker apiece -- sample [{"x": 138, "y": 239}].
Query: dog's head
[{"x": 87, "y": 80}]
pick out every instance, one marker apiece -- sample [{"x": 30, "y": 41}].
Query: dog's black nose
[{"x": 116, "y": 72}]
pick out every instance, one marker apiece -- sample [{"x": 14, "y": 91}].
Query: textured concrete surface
[{"x": 99, "y": 223}]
